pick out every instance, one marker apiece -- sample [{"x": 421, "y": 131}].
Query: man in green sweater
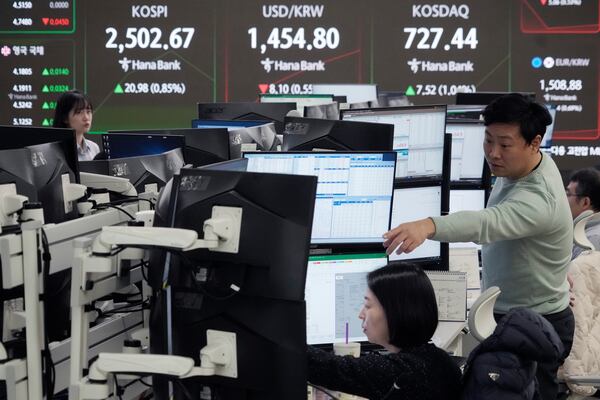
[{"x": 526, "y": 229}]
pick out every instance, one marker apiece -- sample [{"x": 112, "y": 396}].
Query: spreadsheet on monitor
[
  {"x": 466, "y": 200},
  {"x": 335, "y": 287},
  {"x": 354, "y": 191},
  {"x": 467, "y": 150},
  {"x": 411, "y": 204},
  {"x": 418, "y": 137}
]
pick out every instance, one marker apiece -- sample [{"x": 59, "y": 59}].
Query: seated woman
[{"x": 399, "y": 313}]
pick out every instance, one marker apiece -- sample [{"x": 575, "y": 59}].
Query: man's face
[
  {"x": 577, "y": 203},
  {"x": 506, "y": 151}
]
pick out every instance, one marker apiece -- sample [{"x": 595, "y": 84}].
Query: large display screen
[{"x": 145, "y": 64}]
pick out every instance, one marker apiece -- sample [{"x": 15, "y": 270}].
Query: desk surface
[{"x": 446, "y": 333}]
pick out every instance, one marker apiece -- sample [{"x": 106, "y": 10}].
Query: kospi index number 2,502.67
[{"x": 149, "y": 38}]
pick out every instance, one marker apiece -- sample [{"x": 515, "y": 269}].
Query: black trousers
[{"x": 564, "y": 325}]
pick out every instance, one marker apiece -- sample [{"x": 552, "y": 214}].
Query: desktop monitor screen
[
  {"x": 306, "y": 134},
  {"x": 267, "y": 311},
  {"x": 354, "y": 194},
  {"x": 123, "y": 145},
  {"x": 54, "y": 158},
  {"x": 274, "y": 112},
  {"x": 413, "y": 203},
  {"x": 354, "y": 92},
  {"x": 547, "y": 139},
  {"x": 202, "y": 146},
  {"x": 468, "y": 159},
  {"x": 418, "y": 137},
  {"x": 466, "y": 200},
  {"x": 335, "y": 285},
  {"x": 485, "y": 98},
  {"x": 301, "y": 100}
]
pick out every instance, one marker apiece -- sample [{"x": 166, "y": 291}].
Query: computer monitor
[
  {"x": 226, "y": 124},
  {"x": 354, "y": 92},
  {"x": 414, "y": 203},
  {"x": 323, "y": 111},
  {"x": 141, "y": 171},
  {"x": 547, "y": 139},
  {"x": 418, "y": 137},
  {"x": 123, "y": 145},
  {"x": 202, "y": 146},
  {"x": 462, "y": 112},
  {"x": 466, "y": 200},
  {"x": 16, "y": 137},
  {"x": 274, "y": 112},
  {"x": 54, "y": 158},
  {"x": 354, "y": 194},
  {"x": 257, "y": 138},
  {"x": 301, "y": 100},
  {"x": 468, "y": 159},
  {"x": 485, "y": 98},
  {"x": 306, "y": 134},
  {"x": 268, "y": 312},
  {"x": 335, "y": 285}
]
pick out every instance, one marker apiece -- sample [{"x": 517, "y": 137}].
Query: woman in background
[
  {"x": 399, "y": 313},
  {"x": 74, "y": 111}
]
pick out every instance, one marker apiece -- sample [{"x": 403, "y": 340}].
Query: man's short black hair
[
  {"x": 588, "y": 185},
  {"x": 515, "y": 108},
  {"x": 407, "y": 297}
]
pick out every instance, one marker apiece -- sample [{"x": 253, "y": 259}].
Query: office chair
[
  {"x": 581, "y": 370},
  {"x": 481, "y": 316}
]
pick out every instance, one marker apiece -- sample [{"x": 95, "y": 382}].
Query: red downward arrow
[
  {"x": 263, "y": 87},
  {"x": 543, "y": 2},
  {"x": 45, "y": 20}
]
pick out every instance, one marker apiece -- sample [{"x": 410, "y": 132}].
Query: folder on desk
[{"x": 451, "y": 294}]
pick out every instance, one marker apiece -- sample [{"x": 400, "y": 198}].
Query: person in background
[
  {"x": 399, "y": 313},
  {"x": 526, "y": 229},
  {"x": 74, "y": 110},
  {"x": 583, "y": 193}
]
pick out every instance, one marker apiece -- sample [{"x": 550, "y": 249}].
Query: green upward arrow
[
  {"x": 45, "y": 72},
  {"x": 410, "y": 91},
  {"x": 46, "y": 122},
  {"x": 45, "y": 89},
  {"x": 118, "y": 89},
  {"x": 45, "y": 106}
]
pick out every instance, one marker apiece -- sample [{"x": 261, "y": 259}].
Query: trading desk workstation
[{"x": 204, "y": 260}]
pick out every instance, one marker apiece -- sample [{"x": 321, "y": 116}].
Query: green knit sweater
[{"x": 527, "y": 236}]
